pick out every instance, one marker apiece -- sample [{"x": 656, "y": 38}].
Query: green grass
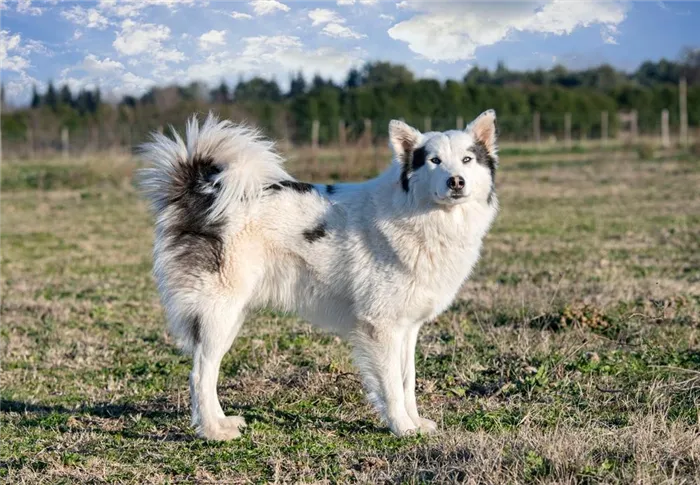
[{"x": 572, "y": 355}]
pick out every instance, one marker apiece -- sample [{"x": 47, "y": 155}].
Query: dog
[{"x": 370, "y": 261}]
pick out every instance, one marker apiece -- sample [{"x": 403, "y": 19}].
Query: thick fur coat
[{"x": 369, "y": 261}]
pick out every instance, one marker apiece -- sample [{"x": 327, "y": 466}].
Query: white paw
[
  {"x": 218, "y": 432},
  {"x": 232, "y": 422},
  {"x": 427, "y": 426},
  {"x": 403, "y": 428}
]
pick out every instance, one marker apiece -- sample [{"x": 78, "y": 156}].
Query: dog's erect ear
[
  {"x": 403, "y": 139},
  {"x": 483, "y": 129}
]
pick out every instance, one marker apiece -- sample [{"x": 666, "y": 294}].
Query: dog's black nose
[{"x": 456, "y": 182}]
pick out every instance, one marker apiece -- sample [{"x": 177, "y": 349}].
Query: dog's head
[{"x": 451, "y": 167}]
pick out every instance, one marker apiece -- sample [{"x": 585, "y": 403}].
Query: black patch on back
[
  {"x": 197, "y": 242},
  {"x": 484, "y": 157},
  {"x": 318, "y": 232},
  {"x": 301, "y": 187},
  {"x": 417, "y": 160},
  {"x": 330, "y": 189}
]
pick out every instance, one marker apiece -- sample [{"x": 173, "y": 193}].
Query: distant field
[{"x": 573, "y": 355}]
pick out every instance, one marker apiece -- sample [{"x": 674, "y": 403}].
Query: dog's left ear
[
  {"x": 403, "y": 139},
  {"x": 483, "y": 129}
]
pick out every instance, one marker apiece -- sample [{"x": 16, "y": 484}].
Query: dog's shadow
[
  {"x": 172, "y": 419},
  {"x": 293, "y": 421}
]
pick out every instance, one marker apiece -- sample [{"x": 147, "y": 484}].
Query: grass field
[{"x": 572, "y": 356}]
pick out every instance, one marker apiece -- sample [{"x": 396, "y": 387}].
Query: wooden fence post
[
  {"x": 567, "y": 130},
  {"x": 665, "y": 134},
  {"x": 460, "y": 123},
  {"x": 536, "y": 127},
  {"x": 604, "y": 128},
  {"x": 367, "y": 134},
  {"x": 428, "y": 124},
  {"x": 64, "y": 142},
  {"x": 634, "y": 126},
  {"x": 315, "y": 127},
  {"x": 30, "y": 142},
  {"x": 683, "y": 105},
  {"x": 341, "y": 133}
]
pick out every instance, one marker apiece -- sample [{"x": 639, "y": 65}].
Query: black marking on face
[
  {"x": 485, "y": 158},
  {"x": 418, "y": 157},
  {"x": 196, "y": 240},
  {"x": 318, "y": 232},
  {"x": 330, "y": 189},
  {"x": 301, "y": 187}
]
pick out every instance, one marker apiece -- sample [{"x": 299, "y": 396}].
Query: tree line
[{"x": 380, "y": 91}]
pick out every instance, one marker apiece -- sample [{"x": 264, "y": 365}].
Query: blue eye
[
  {"x": 436, "y": 160},
  {"x": 467, "y": 159}
]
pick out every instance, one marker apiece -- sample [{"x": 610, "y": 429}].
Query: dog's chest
[{"x": 438, "y": 274}]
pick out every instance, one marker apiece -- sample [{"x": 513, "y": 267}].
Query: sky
[{"x": 128, "y": 46}]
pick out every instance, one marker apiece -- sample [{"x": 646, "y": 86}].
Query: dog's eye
[
  {"x": 436, "y": 160},
  {"x": 467, "y": 159}
]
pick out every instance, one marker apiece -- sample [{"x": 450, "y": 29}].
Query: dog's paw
[
  {"x": 232, "y": 422},
  {"x": 218, "y": 432},
  {"x": 403, "y": 428},
  {"x": 427, "y": 426}
]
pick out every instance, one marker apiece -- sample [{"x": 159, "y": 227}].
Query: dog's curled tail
[{"x": 219, "y": 164}]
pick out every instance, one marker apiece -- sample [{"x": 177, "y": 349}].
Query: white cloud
[
  {"x": 321, "y": 16},
  {"x": 276, "y": 56},
  {"x": 352, "y": 2},
  {"x": 25, "y": 6},
  {"x": 95, "y": 66},
  {"x": 607, "y": 33},
  {"x": 109, "y": 75},
  {"x": 384, "y": 16},
  {"x": 146, "y": 39},
  {"x": 266, "y": 7},
  {"x": 19, "y": 89},
  {"x": 13, "y": 55},
  {"x": 240, "y": 15},
  {"x": 132, "y": 8},
  {"x": 341, "y": 31},
  {"x": 211, "y": 39},
  {"x": 431, "y": 74},
  {"x": 453, "y": 31},
  {"x": 89, "y": 18},
  {"x": 77, "y": 34}
]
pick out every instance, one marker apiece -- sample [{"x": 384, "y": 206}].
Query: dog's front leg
[
  {"x": 378, "y": 355},
  {"x": 408, "y": 353}
]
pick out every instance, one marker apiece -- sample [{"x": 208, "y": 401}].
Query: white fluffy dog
[{"x": 370, "y": 261}]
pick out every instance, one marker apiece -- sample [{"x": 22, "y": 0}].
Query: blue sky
[{"x": 127, "y": 46}]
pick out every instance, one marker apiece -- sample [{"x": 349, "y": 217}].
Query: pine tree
[
  {"x": 36, "y": 98},
  {"x": 51, "y": 98},
  {"x": 297, "y": 86},
  {"x": 65, "y": 96}
]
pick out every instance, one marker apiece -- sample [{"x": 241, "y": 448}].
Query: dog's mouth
[{"x": 451, "y": 198}]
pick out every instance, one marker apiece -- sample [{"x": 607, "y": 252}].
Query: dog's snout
[{"x": 456, "y": 182}]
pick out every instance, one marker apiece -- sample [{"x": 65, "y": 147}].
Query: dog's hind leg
[
  {"x": 377, "y": 352},
  {"x": 408, "y": 353},
  {"x": 217, "y": 329}
]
